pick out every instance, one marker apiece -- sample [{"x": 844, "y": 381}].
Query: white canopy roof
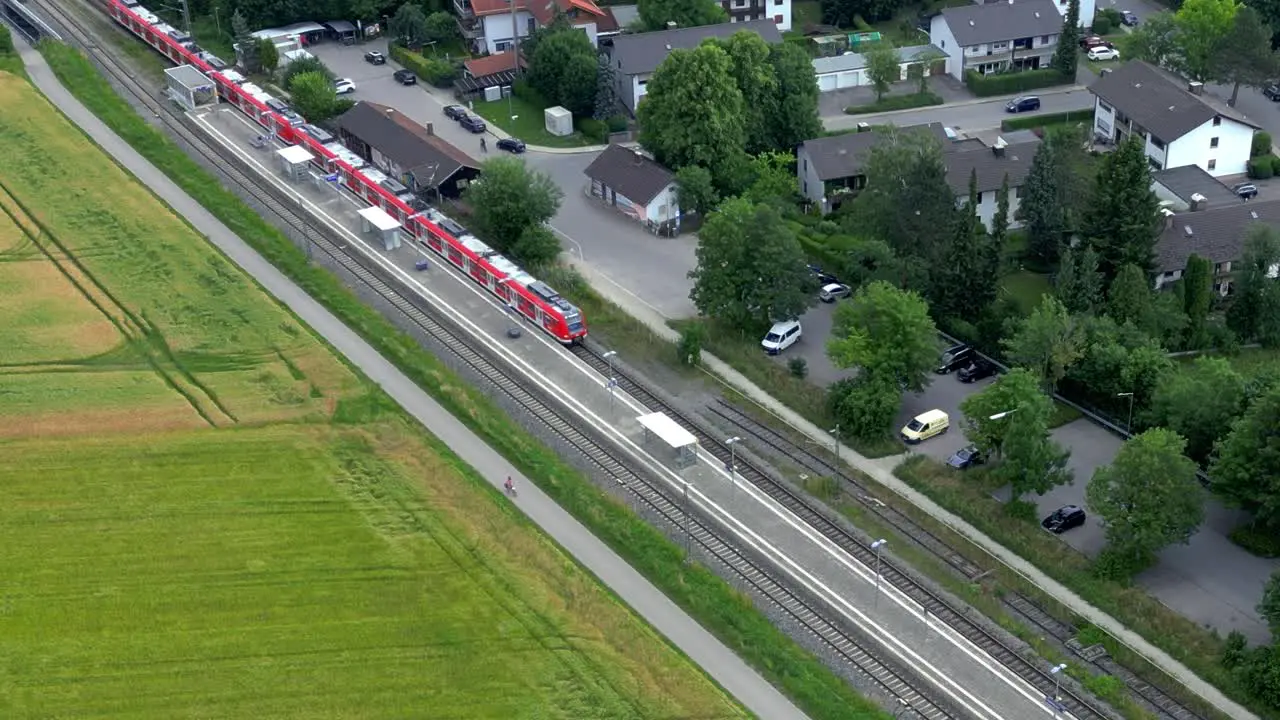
[
  {"x": 378, "y": 218},
  {"x": 295, "y": 155},
  {"x": 667, "y": 429}
]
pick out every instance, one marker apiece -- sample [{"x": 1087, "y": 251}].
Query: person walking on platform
[{"x": 484, "y": 146}]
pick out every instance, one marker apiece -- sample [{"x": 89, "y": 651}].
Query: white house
[
  {"x": 850, "y": 70},
  {"x": 637, "y": 186},
  {"x": 997, "y": 36},
  {"x": 489, "y": 26},
  {"x": 635, "y": 57},
  {"x": 779, "y": 11},
  {"x": 1177, "y": 125}
]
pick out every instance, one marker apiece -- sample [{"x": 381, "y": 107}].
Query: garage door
[{"x": 826, "y": 82}]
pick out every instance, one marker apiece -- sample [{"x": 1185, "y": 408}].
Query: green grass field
[{"x": 529, "y": 125}]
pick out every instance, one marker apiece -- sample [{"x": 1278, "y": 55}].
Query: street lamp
[
  {"x": 835, "y": 433},
  {"x": 1129, "y": 426},
  {"x": 1004, "y": 414},
  {"x": 876, "y": 546},
  {"x": 733, "y": 462},
  {"x": 1057, "y": 706},
  {"x": 688, "y": 541}
]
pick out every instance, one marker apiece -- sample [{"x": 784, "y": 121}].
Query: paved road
[
  {"x": 973, "y": 116},
  {"x": 716, "y": 660}
]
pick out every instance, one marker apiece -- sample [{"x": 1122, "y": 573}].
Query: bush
[
  {"x": 1013, "y": 82},
  {"x": 593, "y": 129},
  {"x": 1256, "y": 540},
  {"x": 1027, "y": 123},
  {"x": 1261, "y": 144},
  {"x": 1275, "y": 164},
  {"x": 798, "y": 366},
  {"x": 1261, "y": 168},
  {"x": 6, "y": 40},
  {"x": 690, "y": 346},
  {"x": 896, "y": 102},
  {"x": 523, "y": 90},
  {"x": 435, "y": 71},
  {"x": 617, "y": 123},
  {"x": 1102, "y": 25}
]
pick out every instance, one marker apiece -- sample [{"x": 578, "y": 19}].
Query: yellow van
[{"x": 925, "y": 425}]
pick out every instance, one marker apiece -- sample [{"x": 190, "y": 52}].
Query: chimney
[
  {"x": 431, "y": 130},
  {"x": 1168, "y": 218},
  {"x": 1195, "y": 87},
  {"x": 1197, "y": 202},
  {"x": 998, "y": 148},
  {"x": 639, "y": 157}
]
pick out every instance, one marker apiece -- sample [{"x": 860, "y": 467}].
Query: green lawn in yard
[
  {"x": 1026, "y": 288},
  {"x": 805, "y": 12},
  {"x": 529, "y": 125}
]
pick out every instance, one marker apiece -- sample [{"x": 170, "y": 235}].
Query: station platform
[{"x": 960, "y": 671}]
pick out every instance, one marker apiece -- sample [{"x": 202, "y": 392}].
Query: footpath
[
  {"x": 716, "y": 660},
  {"x": 881, "y": 471}
]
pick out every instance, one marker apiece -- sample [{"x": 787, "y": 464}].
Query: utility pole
[
  {"x": 733, "y": 464},
  {"x": 688, "y": 539},
  {"x": 876, "y": 546}
]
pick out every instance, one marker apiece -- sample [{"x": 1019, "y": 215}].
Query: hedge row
[
  {"x": 1264, "y": 166},
  {"x": 440, "y": 73},
  {"x": 896, "y": 102},
  {"x": 1035, "y": 121},
  {"x": 1013, "y": 82},
  {"x": 599, "y": 130}
]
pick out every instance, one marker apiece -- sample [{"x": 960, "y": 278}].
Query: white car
[
  {"x": 343, "y": 86},
  {"x": 832, "y": 292},
  {"x": 1103, "y": 53},
  {"x": 781, "y": 336}
]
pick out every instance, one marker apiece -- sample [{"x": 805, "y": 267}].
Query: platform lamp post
[
  {"x": 688, "y": 538},
  {"x": 1128, "y": 426},
  {"x": 835, "y": 433},
  {"x": 876, "y": 546},
  {"x": 733, "y": 464},
  {"x": 1057, "y": 679}
]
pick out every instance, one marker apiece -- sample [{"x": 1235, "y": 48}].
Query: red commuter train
[{"x": 500, "y": 276}]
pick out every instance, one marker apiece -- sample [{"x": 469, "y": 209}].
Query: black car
[
  {"x": 373, "y": 57},
  {"x": 511, "y": 145},
  {"x": 455, "y": 112},
  {"x": 472, "y": 123},
  {"x": 406, "y": 77},
  {"x": 1245, "y": 191},
  {"x": 1063, "y": 519},
  {"x": 977, "y": 370},
  {"x": 954, "y": 358},
  {"x": 823, "y": 278},
  {"x": 966, "y": 457},
  {"x": 1272, "y": 92},
  {"x": 1128, "y": 18},
  {"x": 1025, "y": 103}
]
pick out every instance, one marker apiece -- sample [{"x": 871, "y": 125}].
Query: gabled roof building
[{"x": 411, "y": 153}]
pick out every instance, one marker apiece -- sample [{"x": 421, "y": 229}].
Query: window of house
[
  {"x": 1213, "y": 142},
  {"x": 1105, "y": 107},
  {"x": 1157, "y": 142},
  {"x": 1044, "y": 39},
  {"x": 1155, "y": 164},
  {"x": 1213, "y": 164},
  {"x": 979, "y": 198},
  {"x": 1217, "y": 121},
  {"x": 777, "y": 3}
]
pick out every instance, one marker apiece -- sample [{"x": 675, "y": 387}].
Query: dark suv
[
  {"x": 455, "y": 112},
  {"x": 406, "y": 77},
  {"x": 954, "y": 358},
  {"x": 373, "y": 57},
  {"x": 472, "y": 123},
  {"x": 976, "y": 370},
  {"x": 1063, "y": 519},
  {"x": 1272, "y": 92},
  {"x": 1025, "y": 103}
]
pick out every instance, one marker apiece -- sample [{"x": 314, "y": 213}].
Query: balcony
[{"x": 463, "y": 9}]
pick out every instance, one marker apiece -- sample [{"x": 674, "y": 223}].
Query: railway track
[{"x": 663, "y": 503}]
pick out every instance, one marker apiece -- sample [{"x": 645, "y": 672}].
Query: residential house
[
  {"x": 997, "y": 37},
  {"x": 850, "y": 70},
  {"x": 779, "y": 11},
  {"x": 412, "y": 154},
  {"x": 637, "y": 186},
  {"x": 1087, "y": 9},
  {"x": 491, "y": 26},
  {"x": 635, "y": 57},
  {"x": 832, "y": 169},
  {"x": 1177, "y": 125},
  {"x": 1215, "y": 234},
  {"x": 1190, "y": 188}
]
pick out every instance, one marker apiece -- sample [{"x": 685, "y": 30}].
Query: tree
[
  {"x": 314, "y": 98},
  {"x": 793, "y": 114},
  {"x": 607, "y": 102},
  {"x": 754, "y": 75},
  {"x": 692, "y": 111},
  {"x": 1199, "y": 403},
  {"x": 1252, "y": 289},
  {"x": 537, "y": 246},
  {"x": 773, "y": 180},
  {"x": 1269, "y": 606},
  {"x": 751, "y": 269},
  {"x": 882, "y": 67},
  {"x": 1245, "y": 56},
  {"x": 970, "y": 272},
  {"x": 409, "y": 26},
  {"x": 245, "y": 43},
  {"x": 656, "y": 14},
  {"x": 509, "y": 198},
  {"x": 1013, "y": 391},
  {"x": 1000, "y": 221},
  {"x": 441, "y": 27},
  {"x": 1129, "y": 297},
  {"x": 1032, "y": 461},
  {"x": 866, "y": 260},
  {"x": 1197, "y": 296},
  {"x": 268, "y": 56},
  {"x": 865, "y": 406},
  {"x": 1065, "y": 57},
  {"x": 1078, "y": 283},
  {"x": 1054, "y": 194},
  {"x": 1047, "y": 342},
  {"x": 1201, "y": 27},
  {"x": 1156, "y": 41},
  {"x": 559, "y": 23},
  {"x": 1148, "y": 497},
  {"x": 310, "y": 64},
  {"x": 1122, "y": 221},
  {"x": 887, "y": 332},
  {"x": 563, "y": 69},
  {"x": 695, "y": 190},
  {"x": 1246, "y": 469}
]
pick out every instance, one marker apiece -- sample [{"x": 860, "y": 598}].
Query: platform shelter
[
  {"x": 189, "y": 87},
  {"x": 294, "y": 161},
  {"x": 681, "y": 442},
  {"x": 375, "y": 220}
]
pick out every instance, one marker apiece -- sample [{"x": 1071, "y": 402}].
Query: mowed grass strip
[{"x": 292, "y": 572}]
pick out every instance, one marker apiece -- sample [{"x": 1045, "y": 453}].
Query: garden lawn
[
  {"x": 1026, "y": 288},
  {"x": 529, "y": 125}
]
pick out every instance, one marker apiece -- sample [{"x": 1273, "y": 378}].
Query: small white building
[
  {"x": 637, "y": 186},
  {"x": 998, "y": 36},
  {"x": 850, "y": 70},
  {"x": 1177, "y": 124}
]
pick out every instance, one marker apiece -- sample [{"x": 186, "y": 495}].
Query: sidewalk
[{"x": 882, "y": 472}]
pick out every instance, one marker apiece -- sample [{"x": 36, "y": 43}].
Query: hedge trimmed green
[
  {"x": 1013, "y": 82},
  {"x": 896, "y": 102},
  {"x": 437, "y": 72},
  {"x": 725, "y": 612},
  {"x": 1035, "y": 121}
]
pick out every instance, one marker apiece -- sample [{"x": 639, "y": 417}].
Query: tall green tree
[
  {"x": 314, "y": 97},
  {"x": 245, "y": 43},
  {"x": 1065, "y": 57},
  {"x": 1122, "y": 220},
  {"x": 1054, "y": 194},
  {"x": 1253, "y": 288},
  {"x": 1000, "y": 221},
  {"x": 1079, "y": 283},
  {"x": 441, "y": 27},
  {"x": 268, "y": 56},
  {"x": 1269, "y": 606},
  {"x": 1129, "y": 297},
  {"x": 1246, "y": 469},
  {"x": 754, "y": 75},
  {"x": 1011, "y": 393},
  {"x": 865, "y": 406},
  {"x": 793, "y": 114},
  {"x": 311, "y": 64},
  {"x": 1148, "y": 497},
  {"x": 656, "y": 14},
  {"x": 1202, "y": 25},
  {"x": 509, "y": 198},
  {"x": 692, "y": 111},
  {"x": 887, "y": 332},
  {"x": 970, "y": 273},
  {"x": 1200, "y": 403},
  {"x": 1155, "y": 41},
  {"x": 1197, "y": 297},
  {"x": 409, "y": 26},
  {"x": 1047, "y": 342},
  {"x": 563, "y": 70},
  {"x": 1032, "y": 461},
  {"x": 751, "y": 269},
  {"x": 695, "y": 190},
  {"x": 607, "y": 103},
  {"x": 883, "y": 67},
  {"x": 1245, "y": 56},
  {"x": 773, "y": 180}
]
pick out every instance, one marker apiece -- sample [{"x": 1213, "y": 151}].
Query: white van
[{"x": 781, "y": 336}]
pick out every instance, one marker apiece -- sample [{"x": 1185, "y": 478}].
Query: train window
[
  {"x": 549, "y": 321},
  {"x": 455, "y": 256},
  {"x": 479, "y": 273},
  {"x": 435, "y": 242}
]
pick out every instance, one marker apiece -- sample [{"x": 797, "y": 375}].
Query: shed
[
  {"x": 376, "y": 220},
  {"x": 294, "y": 160},
  {"x": 559, "y": 121},
  {"x": 637, "y": 186},
  {"x": 683, "y": 444},
  {"x": 341, "y": 29},
  {"x": 189, "y": 87}
]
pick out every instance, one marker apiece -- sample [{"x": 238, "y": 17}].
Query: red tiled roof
[
  {"x": 479, "y": 67},
  {"x": 493, "y": 7},
  {"x": 542, "y": 10}
]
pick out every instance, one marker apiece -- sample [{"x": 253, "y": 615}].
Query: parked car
[
  {"x": 1272, "y": 92},
  {"x": 472, "y": 123},
  {"x": 373, "y": 57},
  {"x": 406, "y": 77},
  {"x": 1245, "y": 191},
  {"x": 977, "y": 370},
  {"x": 924, "y": 426},
  {"x": 343, "y": 86},
  {"x": 954, "y": 358},
  {"x": 1093, "y": 41},
  {"x": 455, "y": 112},
  {"x": 966, "y": 457},
  {"x": 1025, "y": 103},
  {"x": 511, "y": 145},
  {"x": 832, "y": 292},
  {"x": 1103, "y": 53},
  {"x": 1128, "y": 18},
  {"x": 781, "y": 336},
  {"x": 1063, "y": 519},
  {"x": 824, "y": 278}
]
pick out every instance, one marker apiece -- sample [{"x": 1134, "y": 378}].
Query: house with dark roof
[
  {"x": 637, "y": 186},
  {"x": 1190, "y": 188},
  {"x": 405, "y": 150},
  {"x": 488, "y": 26},
  {"x": 635, "y": 57},
  {"x": 1176, "y": 123},
  {"x": 1215, "y": 234},
  {"x": 998, "y": 36}
]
